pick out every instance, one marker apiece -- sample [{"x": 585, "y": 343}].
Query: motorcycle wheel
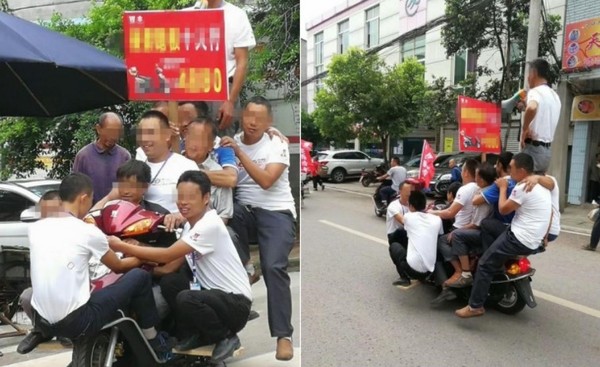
[
  {"x": 512, "y": 303},
  {"x": 366, "y": 181},
  {"x": 91, "y": 351}
]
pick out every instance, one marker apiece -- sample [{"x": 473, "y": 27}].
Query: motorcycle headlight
[
  {"x": 140, "y": 227},
  {"x": 412, "y": 174}
]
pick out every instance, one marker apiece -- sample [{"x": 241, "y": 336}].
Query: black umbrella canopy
[{"x": 44, "y": 73}]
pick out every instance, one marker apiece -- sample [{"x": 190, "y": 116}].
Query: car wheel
[{"x": 338, "y": 175}]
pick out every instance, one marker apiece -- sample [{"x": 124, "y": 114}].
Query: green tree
[
  {"x": 364, "y": 97},
  {"x": 272, "y": 64}
]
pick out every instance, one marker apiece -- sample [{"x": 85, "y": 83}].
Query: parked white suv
[
  {"x": 17, "y": 208},
  {"x": 337, "y": 165}
]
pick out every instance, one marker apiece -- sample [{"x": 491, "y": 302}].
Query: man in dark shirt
[{"x": 99, "y": 160}]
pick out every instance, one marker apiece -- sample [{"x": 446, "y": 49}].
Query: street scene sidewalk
[{"x": 573, "y": 218}]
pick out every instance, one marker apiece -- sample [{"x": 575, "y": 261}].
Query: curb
[{"x": 579, "y": 230}]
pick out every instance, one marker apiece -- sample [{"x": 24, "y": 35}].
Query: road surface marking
[
  {"x": 576, "y": 233},
  {"x": 349, "y": 191},
  {"x": 356, "y": 233},
  {"x": 545, "y": 296},
  {"x": 568, "y": 304}
]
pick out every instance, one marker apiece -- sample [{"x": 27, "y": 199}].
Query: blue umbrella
[{"x": 44, "y": 73}]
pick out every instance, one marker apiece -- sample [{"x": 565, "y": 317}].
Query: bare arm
[
  {"x": 530, "y": 113},
  {"x": 112, "y": 195},
  {"x": 169, "y": 268},
  {"x": 112, "y": 261},
  {"x": 158, "y": 255},
  {"x": 239, "y": 77},
  {"x": 478, "y": 199},
  {"x": 448, "y": 213},
  {"x": 227, "y": 177},
  {"x": 506, "y": 206}
]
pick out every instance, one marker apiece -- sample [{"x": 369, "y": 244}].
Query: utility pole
[{"x": 533, "y": 34}]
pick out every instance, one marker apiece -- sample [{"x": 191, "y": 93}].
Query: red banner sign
[
  {"x": 581, "y": 49},
  {"x": 478, "y": 126},
  {"x": 176, "y": 55},
  {"x": 426, "y": 168}
]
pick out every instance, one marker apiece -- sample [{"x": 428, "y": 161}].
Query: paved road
[
  {"x": 353, "y": 316},
  {"x": 259, "y": 348}
]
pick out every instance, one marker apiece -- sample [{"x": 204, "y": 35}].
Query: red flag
[
  {"x": 305, "y": 160},
  {"x": 426, "y": 168}
]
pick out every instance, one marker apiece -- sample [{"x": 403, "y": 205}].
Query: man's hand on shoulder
[
  {"x": 228, "y": 141},
  {"x": 502, "y": 183},
  {"x": 173, "y": 221},
  {"x": 272, "y": 132}
]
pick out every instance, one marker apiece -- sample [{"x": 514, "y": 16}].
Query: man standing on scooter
[
  {"x": 533, "y": 215},
  {"x": 397, "y": 174},
  {"x": 61, "y": 248}
]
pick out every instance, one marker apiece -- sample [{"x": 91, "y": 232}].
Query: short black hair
[
  {"x": 51, "y": 195},
  {"x": 200, "y": 106},
  {"x": 542, "y": 67},
  {"x": 471, "y": 166},
  {"x": 487, "y": 172},
  {"x": 205, "y": 120},
  {"x": 525, "y": 161},
  {"x": 164, "y": 120},
  {"x": 504, "y": 160},
  {"x": 453, "y": 188},
  {"x": 74, "y": 185},
  {"x": 199, "y": 178},
  {"x": 417, "y": 200},
  {"x": 134, "y": 168},
  {"x": 259, "y": 100},
  {"x": 396, "y": 158}
]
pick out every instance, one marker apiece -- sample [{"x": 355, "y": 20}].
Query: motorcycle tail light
[
  {"x": 323, "y": 163},
  {"x": 140, "y": 227},
  {"x": 524, "y": 265},
  {"x": 513, "y": 268}
]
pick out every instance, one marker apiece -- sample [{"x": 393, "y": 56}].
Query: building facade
[
  {"x": 577, "y": 139},
  {"x": 34, "y": 10},
  {"x": 394, "y": 26}
]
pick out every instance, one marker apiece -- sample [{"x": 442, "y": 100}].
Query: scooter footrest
[{"x": 205, "y": 351}]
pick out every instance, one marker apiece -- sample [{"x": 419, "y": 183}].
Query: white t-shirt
[
  {"x": 532, "y": 218},
  {"x": 422, "y": 230},
  {"x": 464, "y": 196},
  {"x": 163, "y": 189},
  {"x": 238, "y": 32},
  {"x": 397, "y": 175},
  {"x": 218, "y": 265},
  {"x": 394, "y": 208},
  {"x": 61, "y": 248},
  {"x": 544, "y": 123},
  {"x": 279, "y": 195},
  {"x": 555, "y": 226},
  {"x": 480, "y": 212}
]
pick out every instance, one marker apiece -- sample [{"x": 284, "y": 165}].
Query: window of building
[
  {"x": 319, "y": 67},
  {"x": 372, "y": 27},
  {"x": 343, "y": 35},
  {"x": 464, "y": 63},
  {"x": 414, "y": 47}
]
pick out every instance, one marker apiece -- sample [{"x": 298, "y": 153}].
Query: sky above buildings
[{"x": 310, "y": 9}]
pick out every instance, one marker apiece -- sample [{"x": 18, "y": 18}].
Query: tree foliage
[
  {"x": 364, "y": 97},
  {"x": 22, "y": 140},
  {"x": 497, "y": 24}
]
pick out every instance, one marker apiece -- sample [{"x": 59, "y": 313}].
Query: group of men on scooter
[
  {"x": 497, "y": 213},
  {"x": 202, "y": 275}
]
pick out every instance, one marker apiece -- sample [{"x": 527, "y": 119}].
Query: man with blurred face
[
  {"x": 265, "y": 212},
  {"x": 154, "y": 135},
  {"x": 100, "y": 159}
]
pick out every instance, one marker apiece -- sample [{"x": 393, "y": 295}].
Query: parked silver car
[
  {"x": 17, "y": 208},
  {"x": 337, "y": 165}
]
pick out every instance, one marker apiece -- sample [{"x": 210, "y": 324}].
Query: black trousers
[
  {"x": 210, "y": 313},
  {"x": 317, "y": 180},
  {"x": 491, "y": 229},
  {"x": 398, "y": 255},
  {"x": 133, "y": 291},
  {"x": 492, "y": 261},
  {"x": 275, "y": 232}
]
